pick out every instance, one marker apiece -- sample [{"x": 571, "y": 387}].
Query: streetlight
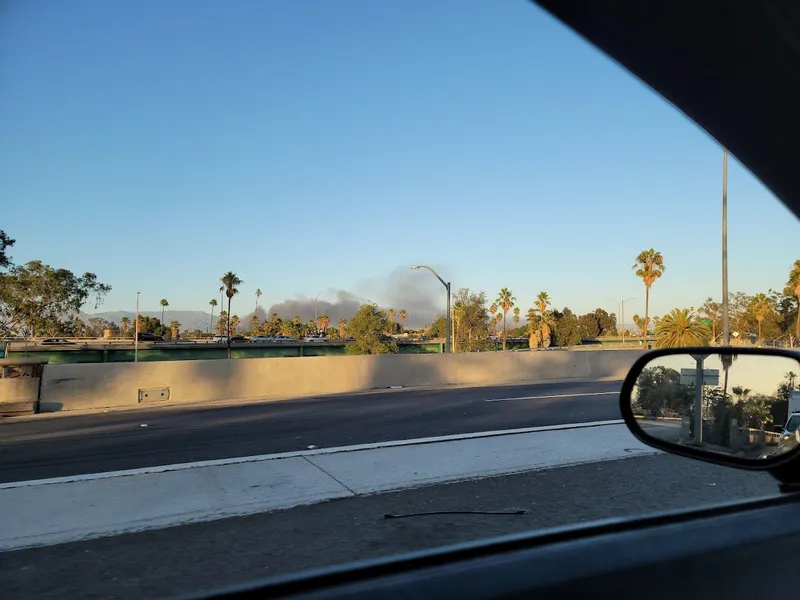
[
  {"x": 726, "y": 334},
  {"x": 446, "y": 285},
  {"x": 621, "y": 303},
  {"x": 136, "y": 334}
]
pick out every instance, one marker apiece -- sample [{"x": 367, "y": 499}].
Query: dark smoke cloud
[{"x": 418, "y": 292}]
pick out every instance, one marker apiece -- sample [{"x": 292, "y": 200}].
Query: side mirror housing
[{"x": 721, "y": 405}]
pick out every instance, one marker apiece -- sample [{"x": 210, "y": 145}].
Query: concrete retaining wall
[{"x": 82, "y": 386}]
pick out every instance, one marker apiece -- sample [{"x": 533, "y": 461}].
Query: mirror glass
[{"x": 746, "y": 405}]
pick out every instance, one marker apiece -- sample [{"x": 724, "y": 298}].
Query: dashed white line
[{"x": 552, "y": 396}]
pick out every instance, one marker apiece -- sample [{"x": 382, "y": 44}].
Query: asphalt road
[
  {"x": 194, "y": 557},
  {"x": 55, "y": 446}
]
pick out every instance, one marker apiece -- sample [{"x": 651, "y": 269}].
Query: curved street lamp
[{"x": 446, "y": 285}]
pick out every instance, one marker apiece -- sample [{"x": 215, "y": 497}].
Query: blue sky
[{"x": 337, "y": 143}]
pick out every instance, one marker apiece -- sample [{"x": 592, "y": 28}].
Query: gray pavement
[
  {"x": 194, "y": 557},
  {"x": 62, "y": 445}
]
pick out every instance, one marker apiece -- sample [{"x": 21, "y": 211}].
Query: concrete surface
[
  {"x": 82, "y": 386},
  {"x": 55, "y": 511},
  {"x": 196, "y": 557},
  {"x": 62, "y": 444}
]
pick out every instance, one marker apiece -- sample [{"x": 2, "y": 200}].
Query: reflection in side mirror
[{"x": 724, "y": 403}]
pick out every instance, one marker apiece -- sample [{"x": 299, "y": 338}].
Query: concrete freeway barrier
[{"x": 92, "y": 386}]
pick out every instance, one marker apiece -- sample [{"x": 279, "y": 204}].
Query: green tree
[
  {"x": 367, "y": 327},
  {"x": 222, "y": 323},
  {"x": 713, "y": 312},
  {"x": 565, "y": 328},
  {"x": 39, "y": 297},
  {"x": 659, "y": 392},
  {"x": 230, "y": 283},
  {"x": 649, "y": 267},
  {"x": 5, "y": 243},
  {"x": 793, "y": 289},
  {"x": 680, "y": 329},
  {"x": 505, "y": 300},
  {"x": 212, "y": 303},
  {"x": 761, "y": 306},
  {"x": 515, "y": 318},
  {"x": 470, "y": 321},
  {"x": 164, "y": 304}
]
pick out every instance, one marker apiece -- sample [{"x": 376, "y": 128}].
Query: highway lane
[{"x": 91, "y": 443}]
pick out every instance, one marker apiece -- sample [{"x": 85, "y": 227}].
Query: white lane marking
[
  {"x": 553, "y": 396},
  {"x": 301, "y": 453},
  {"x": 68, "y": 512}
]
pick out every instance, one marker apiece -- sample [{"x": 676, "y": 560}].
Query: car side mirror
[{"x": 721, "y": 405}]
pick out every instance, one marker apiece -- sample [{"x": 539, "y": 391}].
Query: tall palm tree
[
  {"x": 213, "y": 303},
  {"x": 164, "y": 304},
  {"x": 342, "y": 327},
  {"x": 230, "y": 282},
  {"x": 505, "y": 300},
  {"x": 516, "y": 316},
  {"x": 322, "y": 322},
  {"x": 793, "y": 289},
  {"x": 401, "y": 316},
  {"x": 649, "y": 266},
  {"x": 761, "y": 306},
  {"x": 391, "y": 314},
  {"x": 124, "y": 325},
  {"x": 258, "y": 295},
  {"x": 681, "y": 328},
  {"x": 222, "y": 322}
]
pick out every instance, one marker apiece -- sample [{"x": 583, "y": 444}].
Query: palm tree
[
  {"x": 681, "y": 328},
  {"x": 222, "y": 322},
  {"x": 761, "y": 306},
  {"x": 515, "y": 318},
  {"x": 505, "y": 300},
  {"x": 649, "y": 266},
  {"x": 230, "y": 282},
  {"x": 234, "y": 324},
  {"x": 254, "y": 324},
  {"x": 391, "y": 314},
  {"x": 322, "y": 322},
  {"x": 124, "y": 325},
  {"x": 342, "y": 327},
  {"x": 164, "y": 304},
  {"x": 296, "y": 320},
  {"x": 258, "y": 295},
  {"x": 493, "y": 310},
  {"x": 175, "y": 329},
  {"x": 213, "y": 303},
  {"x": 401, "y": 316},
  {"x": 793, "y": 289}
]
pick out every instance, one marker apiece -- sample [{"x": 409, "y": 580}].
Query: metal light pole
[
  {"x": 726, "y": 334},
  {"x": 446, "y": 285},
  {"x": 136, "y": 334},
  {"x": 621, "y": 303}
]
